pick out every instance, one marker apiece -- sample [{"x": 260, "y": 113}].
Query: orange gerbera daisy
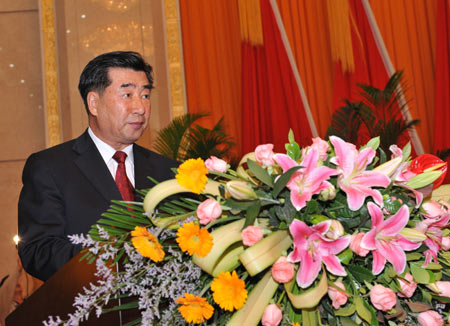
[
  {"x": 192, "y": 175},
  {"x": 194, "y": 240},
  {"x": 147, "y": 244},
  {"x": 229, "y": 291},
  {"x": 194, "y": 309}
]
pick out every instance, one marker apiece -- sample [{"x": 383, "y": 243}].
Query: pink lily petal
[
  {"x": 299, "y": 200},
  {"x": 375, "y": 194},
  {"x": 345, "y": 154},
  {"x": 299, "y": 231},
  {"x": 321, "y": 173},
  {"x": 406, "y": 244},
  {"x": 294, "y": 256},
  {"x": 378, "y": 262},
  {"x": 396, "y": 222},
  {"x": 355, "y": 198},
  {"x": 394, "y": 254},
  {"x": 322, "y": 227},
  {"x": 369, "y": 241},
  {"x": 364, "y": 158},
  {"x": 328, "y": 248},
  {"x": 285, "y": 161},
  {"x": 311, "y": 158},
  {"x": 309, "y": 269},
  {"x": 372, "y": 179},
  {"x": 334, "y": 266},
  {"x": 376, "y": 214}
]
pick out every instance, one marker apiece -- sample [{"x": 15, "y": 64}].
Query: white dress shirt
[{"x": 107, "y": 152}]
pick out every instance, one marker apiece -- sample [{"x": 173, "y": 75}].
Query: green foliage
[
  {"x": 183, "y": 139},
  {"x": 380, "y": 113}
]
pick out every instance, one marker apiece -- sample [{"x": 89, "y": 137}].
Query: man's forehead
[{"x": 125, "y": 76}]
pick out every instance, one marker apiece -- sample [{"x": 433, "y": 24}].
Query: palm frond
[{"x": 171, "y": 140}]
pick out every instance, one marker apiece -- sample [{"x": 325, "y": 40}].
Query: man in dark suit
[{"x": 67, "y": 187}]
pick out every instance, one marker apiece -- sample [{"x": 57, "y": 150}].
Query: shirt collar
[{"x": 106, "y": 151}]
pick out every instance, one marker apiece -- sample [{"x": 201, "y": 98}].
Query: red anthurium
[{"x": 429, "y": 162}]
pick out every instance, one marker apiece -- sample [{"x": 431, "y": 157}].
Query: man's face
[{"x": 120, "y": 114}]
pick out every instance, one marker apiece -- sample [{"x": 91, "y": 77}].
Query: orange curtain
[
  {"x": 306, "y": 26},
  {"x": 409, "y": 32},
  {"x": 212, "y": 61}
]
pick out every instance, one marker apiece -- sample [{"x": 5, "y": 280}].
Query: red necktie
[{"x": 124, "y": 185}]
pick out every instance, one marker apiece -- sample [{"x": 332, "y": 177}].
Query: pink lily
[
  {"x": 385, "y": 241},
  {"x": 309, "y": 180},
  {"x": 432, "y": 228},
  {"x": 311, "y": 248},
  {"x": 354, "y": 180}
]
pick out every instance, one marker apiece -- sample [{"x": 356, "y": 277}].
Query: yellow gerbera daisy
[
  {"x": 194, "y": 240},
  {"x": 147, "y": 244},
  {"x": 192, "y": 175},
  {"x": 229, "y": 291},
  {"x": 194, "y": 309}
]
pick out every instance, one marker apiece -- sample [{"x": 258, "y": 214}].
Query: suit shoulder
[
  {"x": 156, "y": 157},
  {"x": 60, "y": 151}
]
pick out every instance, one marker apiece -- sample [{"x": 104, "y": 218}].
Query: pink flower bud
[
  {"x": 321, "y": 146},
  {"x": 251, "y": 235},
  {"x": 407, "y": 288},
  {"x": 446, "y": 243},
  {"x": 382, "y": 297},
  {"x": 208, "y": 211},
  {"x": 264, "y": 154},
  {"x": 444, "y": 288},
  {"x": 283, "y": 271},
  {"x": 272, "y": 315},
  {"x": 216, "y": 164},
  {"x": 430, "y": 318},
  {"x": 355, "y": 245},
  {"x": 338, "y": 298},
  {"x": 335, "y": 231}
]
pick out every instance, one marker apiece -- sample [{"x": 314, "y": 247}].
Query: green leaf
[
  {"x": 421, "y": 275},
  {"x": 238, "y": 205},
  {"x": 260, "y": 173},
  {"x": 283, "y": 180},
  {"x": 346, "y": 256},
  {"x": 413, "y": 256},
  {"x": 292, "y": 149},
  {"x": 252, "y": 213},
  {"x": 360, "y": 273},
  {"x": 348, "y": 322},
  {"x": 441, "y": 299},
  {"x": 362, "y": 310},
  {"x": 374, "y": 143},
  {"x": 406, "y": 151},
  {"x": 348, "y": 310}
]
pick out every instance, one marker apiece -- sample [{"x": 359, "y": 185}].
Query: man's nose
[{"x": 139, "y": 105}]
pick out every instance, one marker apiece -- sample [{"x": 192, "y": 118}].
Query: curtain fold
[
  {"x": 409, "y": 32},
  {"x": 271, "y": 103},
  {"x": 442, "y": 94},
  {"x": 306, "y": 26},
  {"x": 212, "y": 62}
]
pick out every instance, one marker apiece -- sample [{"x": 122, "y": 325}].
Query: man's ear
[{"x": 93, "y": 101}]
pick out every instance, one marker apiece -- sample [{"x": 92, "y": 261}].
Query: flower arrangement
[{"x": 323, "y": 235}]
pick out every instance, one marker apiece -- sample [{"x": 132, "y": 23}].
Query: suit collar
[{"x": 92, "y": 165}]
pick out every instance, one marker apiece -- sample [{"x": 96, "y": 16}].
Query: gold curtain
[
  {"x": 212, "y": 59},
  {"x": 408, "y": 28},
  {"x": 306, "y": 25}
]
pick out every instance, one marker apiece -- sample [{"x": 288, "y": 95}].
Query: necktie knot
[{"x": 120, "y": 156}]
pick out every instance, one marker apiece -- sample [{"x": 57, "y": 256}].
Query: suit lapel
[
  {"x": 142, "y": 168},
  {"x": 91, "y": 164}
]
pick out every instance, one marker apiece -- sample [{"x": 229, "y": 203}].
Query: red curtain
[
  {"x": 271, "y": 101},
  {"x": 442, "y": 88}
]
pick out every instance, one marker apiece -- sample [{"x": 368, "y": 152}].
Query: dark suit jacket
[{"x": 65, "y": 190}]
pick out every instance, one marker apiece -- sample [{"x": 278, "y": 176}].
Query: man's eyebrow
[{"x": 125, "y": 85}]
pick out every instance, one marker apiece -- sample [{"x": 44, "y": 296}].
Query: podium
[{"x": 56, "y": 296}]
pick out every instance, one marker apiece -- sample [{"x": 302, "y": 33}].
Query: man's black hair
[{"x": 95, "y": 75}]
